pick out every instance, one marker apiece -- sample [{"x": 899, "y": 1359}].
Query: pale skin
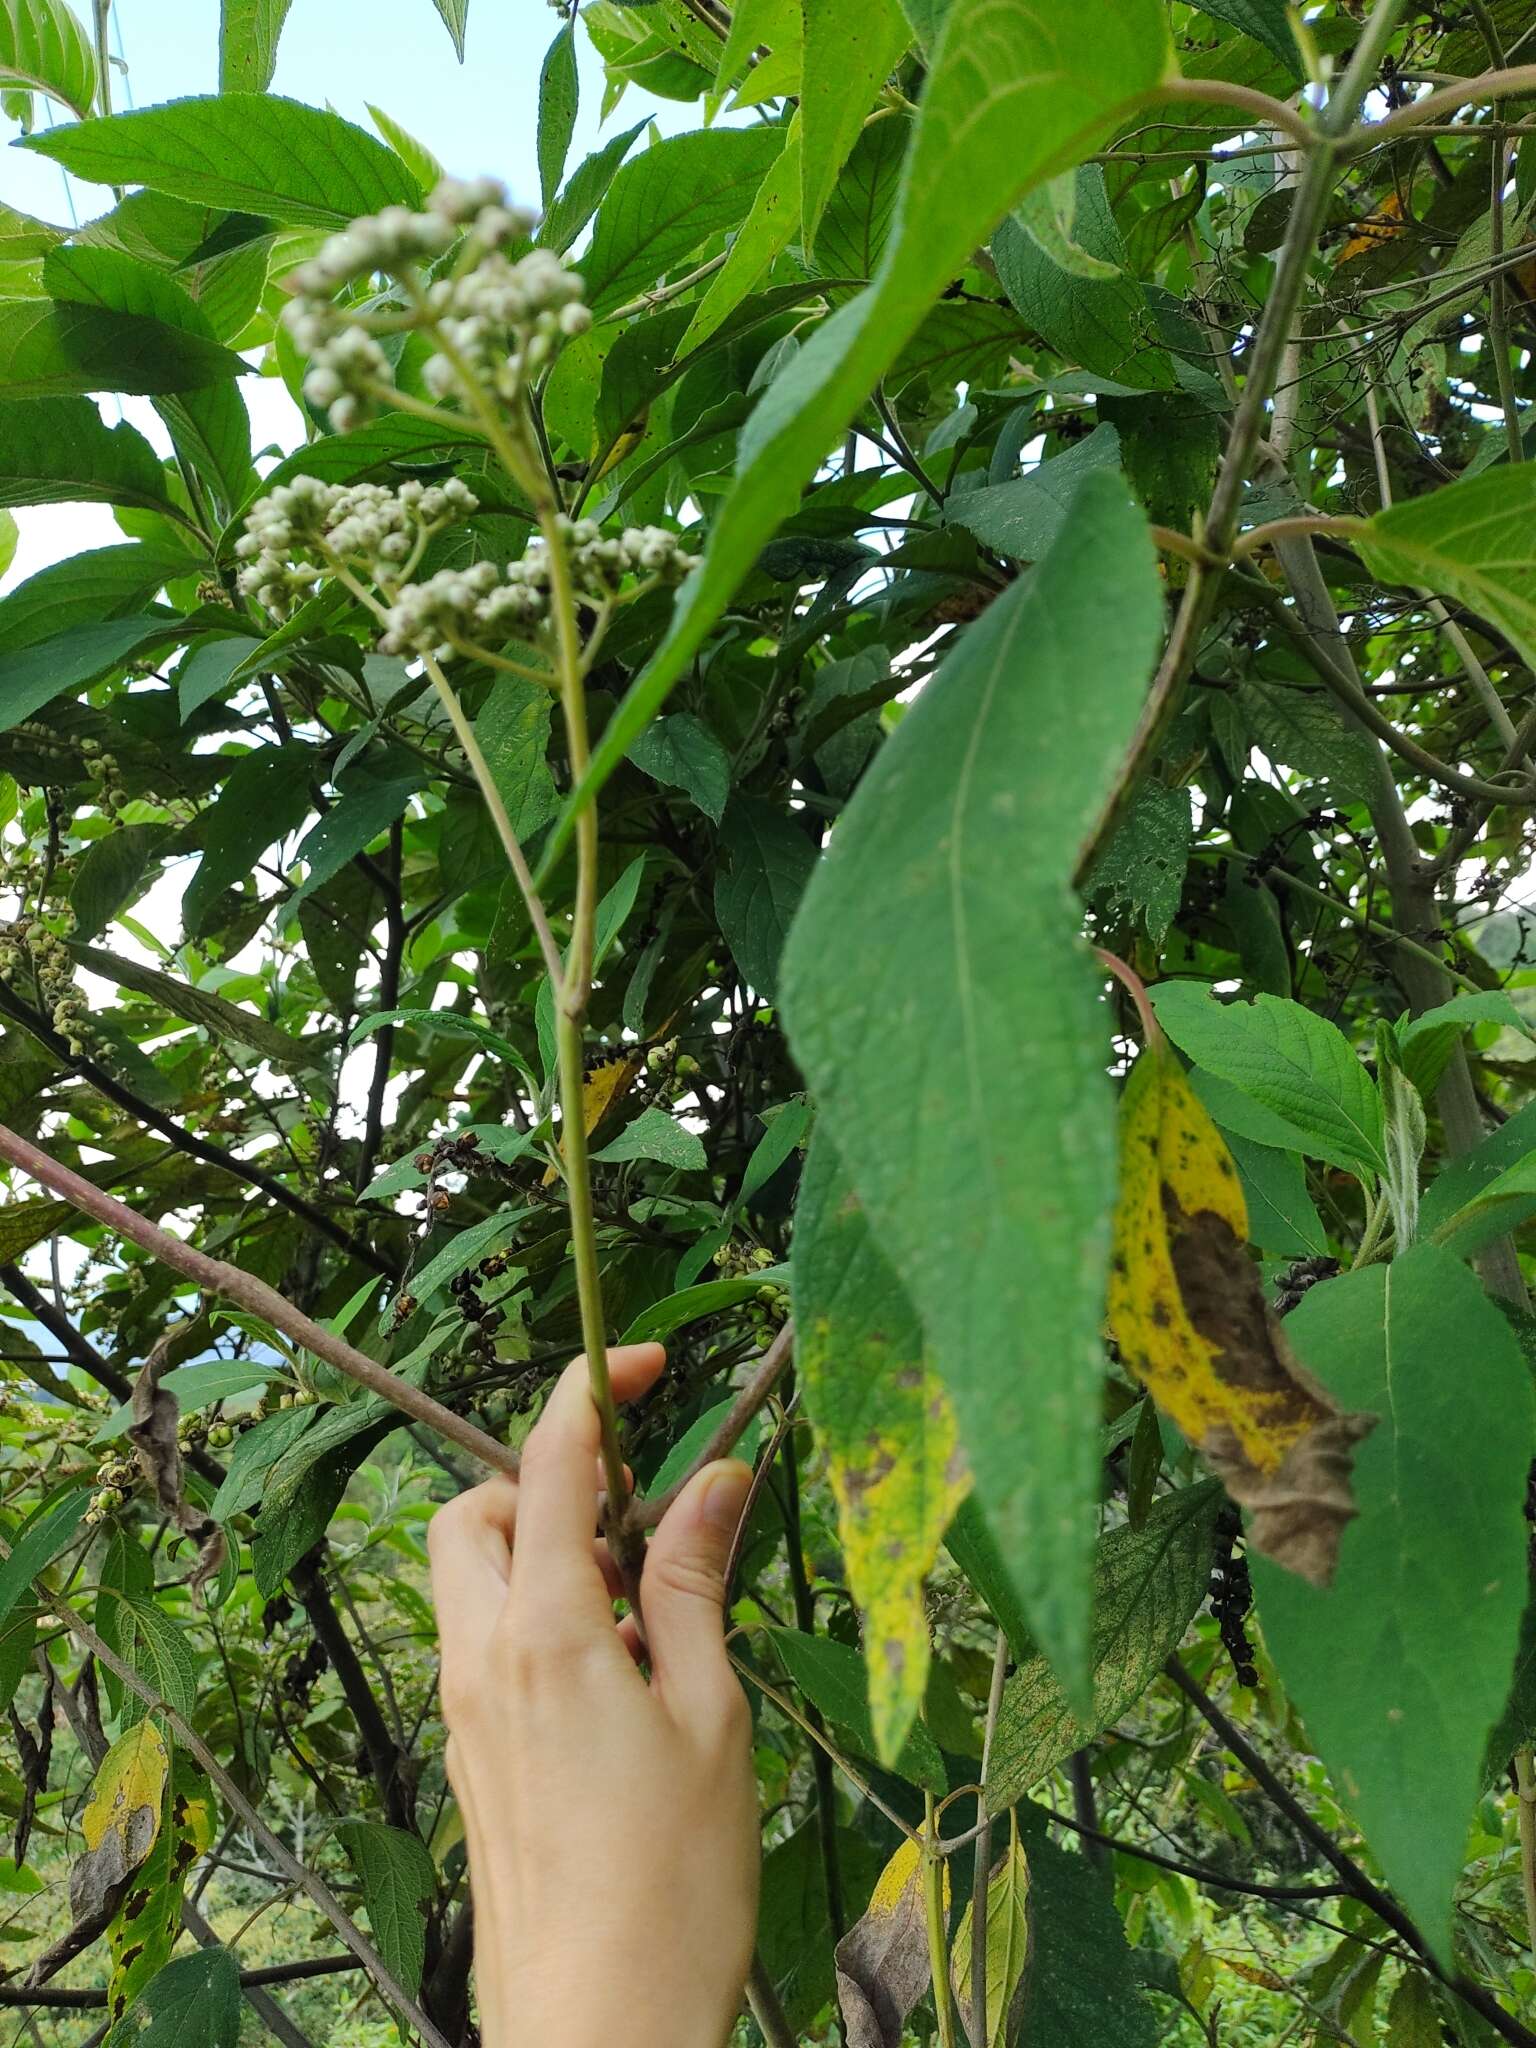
[{"x": 610, "y": 1816}]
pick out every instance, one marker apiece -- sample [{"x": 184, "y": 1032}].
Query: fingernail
[{"x": 725, "y": 1495}]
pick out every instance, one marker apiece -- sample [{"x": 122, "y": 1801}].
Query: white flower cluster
[
  {"x": 297, "y": 530},
  {"x": 483, "y": 605},
  {"x": 505, "y": 318}
]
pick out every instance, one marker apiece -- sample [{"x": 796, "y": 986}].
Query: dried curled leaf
[
  {"x": 153, "y": 1434},
  {"x": 882, "y": 1961},
  {"x": 1188, "y": 1312},
  {"x": 121, "y": 1820}
]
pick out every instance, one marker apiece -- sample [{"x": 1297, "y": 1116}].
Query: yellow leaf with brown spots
[
  {"x": 885, "y": 1423},
  {"x": 148, "y": 1922},
  {"x": 121, "y": 1821},
  {"x": 601, "y": 1091},
  {"x": 1188, "y": 1312},
  {"x": 883, "y": 1960}
]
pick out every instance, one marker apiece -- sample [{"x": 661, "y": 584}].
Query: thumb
[{"x": 683, "y": 1589}]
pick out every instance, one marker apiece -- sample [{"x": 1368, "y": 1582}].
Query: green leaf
[
  {"x": 512, "y": 727},
  {"x": 398, "y": 1878},
  {"x": 886, "y": 1427},
  {"x": 455, "y": 14},
  {"x": 692, "y": 1304},
  {"x": 1305, "y": 730},
  {"x": 1264, "y": 20},
  {"x": 292, "y": 163},
  {"x": 764, "y": 235},
  {"x": 974, "y": 1548},
  {"x": 682, "y": 752},
  {"x": 195, "y": 1387},
  {"x": 120, "y": 283},
  {"x": 918, "y": 934},
  {"x": 248, "y": 38},
  {"x": 46, "y": 1536},
  {"x": 857, "y": 222},
  {"x": 1106, "y": 325},
  {"x": 786, "y": 1128},
  {"x": 1047, "y": 216},
  {"x": 1401, "y": 1667},
  {"x": 1145, "y": 863},
  {"x": 423, "y": 166},
  {"x": 680, "y": 1457},
  {"x": 9, "y": 535},
  {"x": 1291, "y": 1062},
  {"x": 108, "y": 878},
  {"x": 659, "y": 208},
  {"x": 57, "y": 449},
  {"x": 1282, "y": 1217},
  {"x": 46, "y": 48},
  {"x": 1014, "y": 89},
  {"x": 584, "y": 190},
  {"x": 831, "y": 1676},
  {"x": 154, "y": 1647},
  {"x": 1083, "y": 1987},
  {"x": 84, "y": 589},
  {"x": 200, "y": 1006},
  {"x": 451, "y": 1025},
  {"x": 1471, "y": 541},
  {"x": 50, "y": 349},
  {"x": 849, "y": 54},
  {"x": 255, "y": 1453},
  {"x": 766, "y": 861},
  {"x": 1008, "y": 1951},
  {"x": 265, "y": 796},
  {"x": 34, "y": 676},
  {"x": 559, "y": 97},
  {"x": 368, "y": 801},
  {"x": 194, "y": 2002},
  {"x": 1025, "y": 515},
  {"x": 1147, "y": 1583},
  {"x": 655, "y": 1135},
  {"x": 207, "y": 672},
  {"x": 1427, "y": 1042},
  {"x": 464, "y": 1250}
]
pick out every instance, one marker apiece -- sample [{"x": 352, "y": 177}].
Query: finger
[
  {"x": 683, "y": 1589},
  {"x": 628, "y": 1633},
  {"x": 552, "y": 1566},
  {"x": 469, "y": 1544}
]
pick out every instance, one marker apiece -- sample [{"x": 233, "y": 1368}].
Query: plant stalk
[{"x": 938, "y": 1941}]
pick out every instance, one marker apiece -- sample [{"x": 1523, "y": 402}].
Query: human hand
[{"x": 611, "y": 1823}]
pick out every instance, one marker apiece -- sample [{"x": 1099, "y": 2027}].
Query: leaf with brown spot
[
  {"x": 1188, "y": 1312},
  {"x": 882, "y": 1961}
]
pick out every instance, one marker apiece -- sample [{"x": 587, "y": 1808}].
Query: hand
[{"x": 611, "y": 1823}]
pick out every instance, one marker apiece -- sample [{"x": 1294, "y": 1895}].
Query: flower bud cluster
[
  {"x": 297, "y": 531},
  {"x": 104, "y": 770},
  {"x": 347, "y": 365},
  {"x": 504, "y": 321},
  {"x": 27, "y": 943},
  {"x": 484, "y": 606}
]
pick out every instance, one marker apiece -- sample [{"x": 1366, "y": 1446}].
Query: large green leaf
[
  {"x": 512, "y": 727},
  {"x": 1264, "y": 20},
  {"x": 1104, "y": 324},
  {"x": 35, "y": 675},
  {"x": 369, "y": 799},
  {"x": 948, "y": 1021},
  {"x": 849, "y": 53},
  {"x": 54, "y": 450},
  {"x": 199, "y": 1006},
  {"x": 1083, "y": 1987},
  {"x": 88, "y": 588},
  {"x": 248, "y": 37},
  {"x": 49, "y": 348},
  {"x": 1292, "y": 1062},
  {"x": 659, "y": 208},
  {"x": 266, "y": 795},
  {"x": 1017, "y": 90},
  {"x": 1472, "y": 541},
  {"x": 766, "y": 860},
  {"x": 45, "y": 47},
  {"x": 765, "y": 234},
  {"x": 267, "y": 155},
  {"x": 43, "y": 1539},
  {"x": 1147, "y": 1582},
  {"x": 886, "y": 1428},
  {"x": 398, "y": 1878},
  {"x": 194, "y": 2002},
  {"x": 1401, "y": 1667},
  {"x": 1023, "y": 516}
]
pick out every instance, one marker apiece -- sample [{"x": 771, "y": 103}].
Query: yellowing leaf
[
  {"x": 1375, "y": 229},
  {"x": 890, "y": 1435},
  {"x": 1188, "y": 1312},
  {"x": 148, "y": 1922},
  {"x": 121, "y": 1820},
  {"x": 599, "y": 1092},
  {"x": 882, "y": 1961},
  {"x": 1009, "y": 1942}
]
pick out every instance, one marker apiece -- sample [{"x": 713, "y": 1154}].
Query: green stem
[{"x": 938, "y": 1943}]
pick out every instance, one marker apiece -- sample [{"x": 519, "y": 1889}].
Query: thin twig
[{"x": 753, "y": 1397}]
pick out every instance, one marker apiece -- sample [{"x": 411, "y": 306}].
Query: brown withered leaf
[
  {"x": 882, "y": 1961},
  {"x": 1188, "y": 1312},
  {"x": 153, "y": 1434}
]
